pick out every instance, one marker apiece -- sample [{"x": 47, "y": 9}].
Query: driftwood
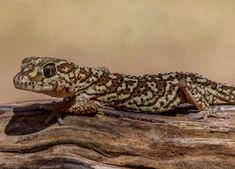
[{"x": 113, "y": 140}]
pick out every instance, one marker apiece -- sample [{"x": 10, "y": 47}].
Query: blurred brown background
[{"x": 128, "y": 36}]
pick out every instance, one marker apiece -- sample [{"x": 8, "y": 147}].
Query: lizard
[{"x": 84, "y": 89}]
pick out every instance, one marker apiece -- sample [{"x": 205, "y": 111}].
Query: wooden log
[{"x": 113, "y": 140}]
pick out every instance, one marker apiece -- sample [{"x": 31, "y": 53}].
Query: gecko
[{"x": 84, "y": 89}]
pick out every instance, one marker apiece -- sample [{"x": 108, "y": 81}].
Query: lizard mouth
[
  {"x": 24, "y": 84},
  {"x": 40, "y": 87}
]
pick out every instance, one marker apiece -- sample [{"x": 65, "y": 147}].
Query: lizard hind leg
[{"x": 193, "y": 96}]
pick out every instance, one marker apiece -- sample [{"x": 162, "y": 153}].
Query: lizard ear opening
[{"x": 49, "y": 70}]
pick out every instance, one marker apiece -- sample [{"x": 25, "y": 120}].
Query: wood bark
[{"x": 113, "y": 140}]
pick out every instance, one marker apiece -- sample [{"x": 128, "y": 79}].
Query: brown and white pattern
[{"x": 86, "y": 89}]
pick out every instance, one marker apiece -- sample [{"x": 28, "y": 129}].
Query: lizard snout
[{"x": 20, "y": 81}]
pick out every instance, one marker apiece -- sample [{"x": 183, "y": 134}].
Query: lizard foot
[
  {"x": 211, "y": 112},
  {"x": 196, "y": 116},
  {"x": 55, "y": 112}
]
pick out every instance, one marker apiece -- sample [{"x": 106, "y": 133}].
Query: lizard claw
[
  {"x": 57, "y": 115},
  {"x": 222, "y": 115},
  {"x": 59, "y": 119}
]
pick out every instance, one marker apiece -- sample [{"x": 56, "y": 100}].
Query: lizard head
[{"x": 46, "y": 75}]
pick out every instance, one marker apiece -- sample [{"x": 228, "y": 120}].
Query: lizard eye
[{"x": 49, "y": 70}]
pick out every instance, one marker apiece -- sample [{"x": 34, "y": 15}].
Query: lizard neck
[{"x": 86, "y": 76}]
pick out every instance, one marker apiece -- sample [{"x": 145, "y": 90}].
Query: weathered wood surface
[{"x": 113, "y": 140}]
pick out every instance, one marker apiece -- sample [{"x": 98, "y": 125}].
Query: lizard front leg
[
  {"x": 193, "y": 96},
  {"x": 71, "y": 105},
  {"x": 82, "y": 106}
]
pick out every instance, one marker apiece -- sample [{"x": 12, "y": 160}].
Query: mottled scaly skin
[{"x": 86, "y": 89}]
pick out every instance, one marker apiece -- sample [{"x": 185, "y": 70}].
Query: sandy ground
[{"x": 133, "y": 37}]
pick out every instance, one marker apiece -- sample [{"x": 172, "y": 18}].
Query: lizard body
[{"x": 86, "y": 89}]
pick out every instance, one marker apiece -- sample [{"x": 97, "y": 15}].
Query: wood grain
[{"x": 113, "y": 139}]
